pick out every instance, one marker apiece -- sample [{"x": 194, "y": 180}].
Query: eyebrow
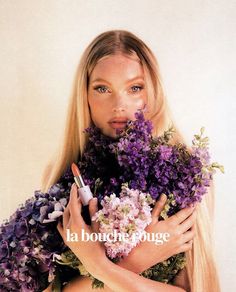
[{"x": 103, "y": 80}]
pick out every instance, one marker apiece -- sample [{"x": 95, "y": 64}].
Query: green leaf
[{"x": 206, "y": 139}]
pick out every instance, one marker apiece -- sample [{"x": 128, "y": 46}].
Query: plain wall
[{"x": 41, "y": 43}]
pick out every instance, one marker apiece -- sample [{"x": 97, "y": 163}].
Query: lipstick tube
[{"x": 84, "y": 191}]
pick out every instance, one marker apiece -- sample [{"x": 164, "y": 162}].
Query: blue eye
[
  {"x": 100, "y": 87},
  {"x": 137, "y": 87},
  {"x": 104, "y": 89}
]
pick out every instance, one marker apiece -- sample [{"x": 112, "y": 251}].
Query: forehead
[{"x": 118, "y": 65}]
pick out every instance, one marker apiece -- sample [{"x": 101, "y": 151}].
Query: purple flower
[
  {"x": 165, "y": 152},
  {"x": 29, "y": 239},
  {"x": 147, "y": 163},
  {"x": 4, "y": 250}
]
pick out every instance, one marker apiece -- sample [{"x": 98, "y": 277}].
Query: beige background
[{"x": 41, "y": 43}]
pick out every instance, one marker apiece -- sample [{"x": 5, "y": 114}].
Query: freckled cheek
[
  {"x": 98, "y": 110},
  {"x": 140, "y": 101},
  {"x": 137, "y": 103},
  {"x": 101, "y": 106},
  {"x": 94, "y": 104}
]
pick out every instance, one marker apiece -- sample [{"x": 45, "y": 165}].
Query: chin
[{"x": 111, "y": 134}]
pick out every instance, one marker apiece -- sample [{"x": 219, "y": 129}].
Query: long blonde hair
[{"x": 201, "y": 267}]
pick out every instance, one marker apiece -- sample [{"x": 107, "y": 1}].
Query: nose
[
  {"x": 119, "y": 103},
  {"x": 118, "y": 109}
]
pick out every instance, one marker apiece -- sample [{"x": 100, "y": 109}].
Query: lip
[
  {"x": 118, "y": 123},
  {"x": 118, "y": 120}
]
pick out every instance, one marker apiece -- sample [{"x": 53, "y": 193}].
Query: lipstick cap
[{"x": 85, "y": 195}]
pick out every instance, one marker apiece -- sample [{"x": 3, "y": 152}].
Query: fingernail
[
  {"x": 93, "y": 200},
  {"x": 163, "y": 196}
]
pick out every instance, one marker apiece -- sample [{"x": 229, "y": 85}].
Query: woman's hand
[
  {"x": 90, "y": 253},
  {"x": 180, "y": 227}
]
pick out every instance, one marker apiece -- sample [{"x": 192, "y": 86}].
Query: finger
[
  {"x": 187, "y": 246},
  {"x": 159, "y": 206},
  {"x": 68, "y": 226},
  {"x": 93, "y": 208},
  {"x": 66, "y": 216},
  {"x": 188, "y": 223},
  {"x": 73, "y": 192},
  {"x": 187, "y": 236},
  {"x": 181, "y": 215},
  {"x": 75, "y": 205}
]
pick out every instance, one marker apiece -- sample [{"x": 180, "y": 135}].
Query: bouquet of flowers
[
  {"x": 32, "y": 253},
  {"x": 127, "y": 216}
]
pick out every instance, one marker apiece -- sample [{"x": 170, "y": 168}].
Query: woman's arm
[
  {"x": 85, "y": 283},
  {"x": 92, "y": 254},
  {"x": 112, "y": 276},
  {"x": 119, "y": 279}
]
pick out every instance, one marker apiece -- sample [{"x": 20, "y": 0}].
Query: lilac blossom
[{"x": 129, "y": 214}]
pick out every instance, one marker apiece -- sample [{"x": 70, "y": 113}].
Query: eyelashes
[
  {"x": 97, "y": 88},
  {"x": 100, "y": 88}
]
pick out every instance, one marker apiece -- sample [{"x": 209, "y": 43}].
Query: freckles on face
[{"x": 116, "y": 89}]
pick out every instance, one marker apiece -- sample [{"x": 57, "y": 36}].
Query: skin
[
  {"x": 92, "y": 254},
  {"x": 117, "y": 96}
]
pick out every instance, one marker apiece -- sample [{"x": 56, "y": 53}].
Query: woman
[{"x": 117, "y": 75}]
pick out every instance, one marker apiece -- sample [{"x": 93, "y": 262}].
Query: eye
[
  {"x": 136, "y": 88},
  {"x": 100, "y": 89}
]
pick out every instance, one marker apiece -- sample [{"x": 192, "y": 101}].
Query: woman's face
[{"x": 116, "y": 91}]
